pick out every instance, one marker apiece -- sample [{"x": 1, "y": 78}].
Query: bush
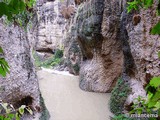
[
  {"x": 118, "y": 97},
  {"x": 50, "y": 62},
  {"x": 8, "y": 112},
  {"x": 122, "y": 117},
  {"x": 58, "y": 53}
]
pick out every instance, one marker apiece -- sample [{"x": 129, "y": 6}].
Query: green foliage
[
  {"x": 49, "y": 62},
  {"x": 140, "y": 106},
  {"x": 159, "y": 54},
  {"x": 8, "y": 112},
  {"x": 59, "y": 53},
  {"x": 151, "y": 105},
  {"x": 137, "y": 4},
  {"x": 4, "y": 67},
  {"x": 1, "y": 50},
  {"x": 133, "y": 5},
  {"x": 52, "y": 61},
  {"x": 153, "y": 90},
  {"x": 122, "y": 117},
  {"x": 156, "y": 29},
  {"x": 118, "y": 96},
  {"x": 11, "y": 8},
  {"x": 17, "y": 11}
]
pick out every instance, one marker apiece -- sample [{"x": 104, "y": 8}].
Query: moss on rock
[
  {"x": 118, "y": 96},
  {"x": 44, "y": 113}
]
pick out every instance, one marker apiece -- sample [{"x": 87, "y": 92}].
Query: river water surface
[{"x": 66, "y": 101}]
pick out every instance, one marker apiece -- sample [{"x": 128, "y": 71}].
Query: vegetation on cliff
[
  {"x": 137, "y": 4},
  {"x": 49, "y": 62},
  {"x": 151, "y": 104},
  {"x": 4, "y": 67},
  {"x": 118, "y": 97},
  {"x": 18, "y": 12}
]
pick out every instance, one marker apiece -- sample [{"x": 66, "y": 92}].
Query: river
[{"x": 66, "y": 101}]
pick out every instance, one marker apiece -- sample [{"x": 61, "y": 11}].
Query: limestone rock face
[
  {"x": 102, "y": 60},
  {"x": 144, "y": 48},
  {"x": 21, "y": 82},
  {"x": 140, "y": 48},
  {"x": 49, "y": 31},
  {"x": 73, "y": 54},
  {"x": 114, "y": 43}
]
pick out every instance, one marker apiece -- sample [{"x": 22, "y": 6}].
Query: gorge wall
[
  {"x": 20, "y": 86},
  {"x": 111, "y": 43},
  {"x": 48, "y": 32},
  {"x": 96, "y": 32},
  {"x": 50, "y": 26},
  {"x": 101, "y": 43}
]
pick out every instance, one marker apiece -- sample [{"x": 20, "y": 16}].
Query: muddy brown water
[{"x": 66, "y": 101}]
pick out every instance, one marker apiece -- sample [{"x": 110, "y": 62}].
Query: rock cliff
[
  {"x": 21, "y": 85},
  {"x": 114, "y": 44},
  {"x": 49, "y": 25},
  {"x": 101, "y": 42},
  {"x": 97, "y": 34}
]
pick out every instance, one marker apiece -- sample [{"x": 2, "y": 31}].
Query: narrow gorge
[{"x": 80, "y": 59}]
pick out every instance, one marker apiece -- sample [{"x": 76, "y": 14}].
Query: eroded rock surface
[
  {"x": 102, "y": 58},
  {"x": 20, "y": 86},
  {"x": 115, "y": 43},
  {"x": 144, "y": 48},
  {"x": 49, "y": 30}
]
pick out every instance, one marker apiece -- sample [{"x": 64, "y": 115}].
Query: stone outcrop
[
  {"x": 115, "y": 43},
  {"x": 102, "y": 42},
  {"x": 144, "y": 49},
  {"x": 21, "y": 85},
  {"x": 50, "y": 25},
  {"x": 102, "y": 58},
  {"x": 102, "y": 62}
]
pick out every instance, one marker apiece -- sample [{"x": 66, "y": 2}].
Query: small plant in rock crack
[
  {"x": 150, "y": 105},
  {"x": 118, "y": 96},
  {"x": 8, "y": 112},
  {"x": 4, "y": 67},
  {"x": 140, "y": 106}
]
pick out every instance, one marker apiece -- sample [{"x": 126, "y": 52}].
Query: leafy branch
[
  {"x": 18, "y": 11},
  {"x": 10, "y": 113},
  {"x": 152, "y": 103},
  {"x": 4, "y": 67}
]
